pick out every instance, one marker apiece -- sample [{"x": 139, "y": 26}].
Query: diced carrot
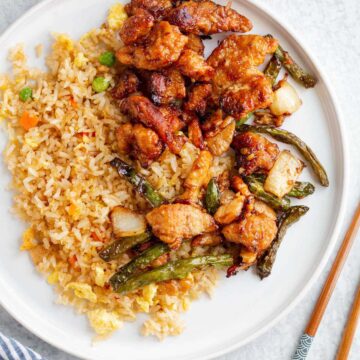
[
  {"x": 72, "y": 261},
  {"x": 73, "y": 103},
  {"x": 95, "y": 236},
  {"x": 27, "y": 121},
  {"x": 84, "y": 133}
]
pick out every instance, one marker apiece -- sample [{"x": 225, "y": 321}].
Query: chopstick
[
  {"x": 350, "y": 329},
  {"x": 327, "y": 290}
]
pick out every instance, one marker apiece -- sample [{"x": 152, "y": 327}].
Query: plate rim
[{"x": 334, "y": 238}]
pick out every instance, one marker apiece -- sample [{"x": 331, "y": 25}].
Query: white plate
[{"x": 243, "y": 307}]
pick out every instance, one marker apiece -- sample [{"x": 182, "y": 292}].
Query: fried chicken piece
[
  {"x": 174, "y": 222},
  {"x": 194, "y": 66},
  {"x": 142, "y": 110},
  {"x": 213, "y": 122},
  {"x": 147, "y": 146},
  {"x": 198, "y": 178},
  {"x": 252, "y": 92},
  {"x": 206, "y": 17},
  {"x": 195, "y": 134},
  {"x": 255, "y": 152},
  {"x": 172, "y": 116},
  {"x": 255, "y": 231},
  {"x": 124, "y": 138},
  {"x": 161, "y": 48},
  {"x": 242, "y": 51},
  {"x": 198, "y": 99},
  {"x": 229, "y": 212},
  {"x": 238, "y": 184},
  {"x": 127, "y": 84},
  {"x": 195, "y": 44},
  {"x": 157, "y": 8},
  {"x": 137, "y": 27},
  {"x": 166, "y": 86},
  {"x": 139, "y": 142},
  {"x": 209, "y": 239},
  {"x": 238, "y": 85},
  {"x": 223, "y": 181}
]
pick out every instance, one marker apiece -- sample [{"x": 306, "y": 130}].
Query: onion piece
[
  {"x": 286, "y": 99},
  {"x": 283, "y": 174},
  {"x": 127, "y": 222}
]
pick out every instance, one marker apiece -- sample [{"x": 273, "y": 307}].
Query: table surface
[{"x": 332, "y": 30}]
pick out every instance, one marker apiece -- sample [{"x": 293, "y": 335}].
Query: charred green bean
[
  {"x": 138, "y": 263},
  {"x": 119, "y": 246},
  {"x": 141, "y": 185},
  {"x": 272, "y": 69},
  {"x": 295, "y": 70},
  {"x": 178, "y": 269},
  {"x": 212, "y": 197},
  {"x": 266, "y": 262}
]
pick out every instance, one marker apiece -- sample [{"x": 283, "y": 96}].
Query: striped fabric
[{"x": 11, "y": 349}]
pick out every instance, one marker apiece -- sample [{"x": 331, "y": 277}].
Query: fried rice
[{"x": 64, "y": 187}]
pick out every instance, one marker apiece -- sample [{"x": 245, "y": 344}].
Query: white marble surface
[{"x": 331, "y": 28}]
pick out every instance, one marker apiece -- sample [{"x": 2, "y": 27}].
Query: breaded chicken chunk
[
  {"x": 166, "y": 86},
  {"x": 127, "y": 84},
  {"x": 198, "y": 98},
  {"x": 242, "y": 51},
  {"x": 141, "y": 109},
  {"x": 175, "y": 222},
  {"x": 209, "y": 239},
  {"x": 195, "y": 134},
  {"x": 195, "y": 44},
  {"x": 161, "y": 48},
  {"x": 255, "y": 231},
  {"x": 252, "y": 92},
  {"x": 206, "y": 17},
  {"x": 137, "y": 27},
  {"x": 157, "y": 8},
  {"x": 238, "y": 85},
  {"x": 194, "y": 66},
  {"x": 172, "y": 117},
  {"x": 198, "y": 178},
  {"x": 139, "y": 142},
  {"x": 255, "y": 152}
]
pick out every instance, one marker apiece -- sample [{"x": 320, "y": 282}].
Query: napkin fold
[{"x": 10, "y": 349}]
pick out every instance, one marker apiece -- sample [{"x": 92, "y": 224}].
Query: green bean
[
  {"x": 272, "y": 69},
  {"x": 301, "y": 189},
  {"x": 244, "y": 119},
  {"x": 137, "y": 264},
  {"x": 212, "y": 197},
  {"x": 290, "y": 138},
  {"x": 295, "y": 70},
  {"x": 266, "y": 262},
  {"x": 178, "y": 269},
  {"x": 141, "y": 185},
  {"x": 256, "y": 187},
  {"x": 119, "y": 246}
]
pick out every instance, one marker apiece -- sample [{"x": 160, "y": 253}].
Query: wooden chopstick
[
  {"x": 327, "y": 290},
  {"x": 350, "y": 329}
]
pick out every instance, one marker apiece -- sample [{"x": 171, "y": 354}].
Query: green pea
[
  {"x": 25, "y": 94},
  {"x": 107, "y": 58},
  {"x": 100, "y": 84}
]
